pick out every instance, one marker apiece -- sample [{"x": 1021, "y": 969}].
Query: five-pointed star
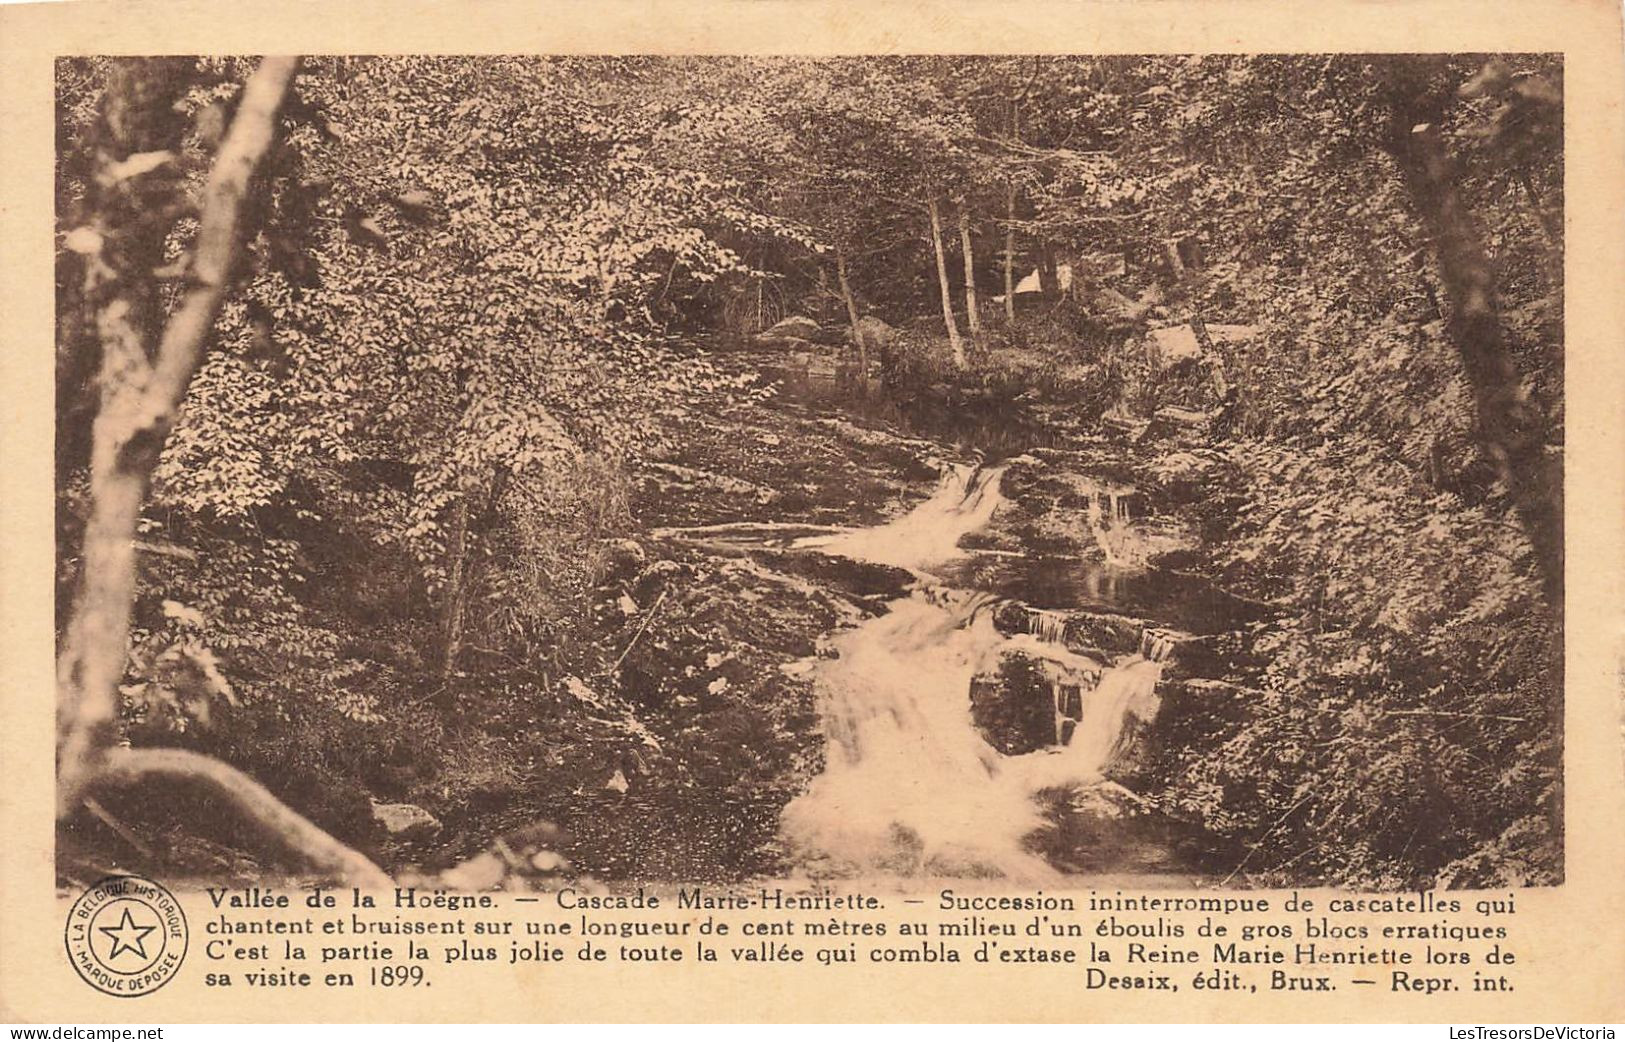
[{"x": 127, "y": 937}]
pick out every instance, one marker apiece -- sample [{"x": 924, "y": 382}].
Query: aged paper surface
[{"x": 821, "y": 947}]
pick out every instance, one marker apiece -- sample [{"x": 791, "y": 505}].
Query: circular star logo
[{"x": 126, "y": 936}]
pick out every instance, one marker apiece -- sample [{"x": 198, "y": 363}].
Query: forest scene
[{"x": 504, "y": 471}]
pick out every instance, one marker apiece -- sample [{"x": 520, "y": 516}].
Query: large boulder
[
  {"x": 405, "y": 822},
  {"x": 1015, "y": 706},
  {"x": 860, "y": 578},
  {"x": 1110, "y": 801},
  {"x": 1028, "y": 702},
  {"x": 1168, "y": 347},
  {"x": 1223, "y": 334},
  {"x": 622, "y": 559},
  {"x": 1084, "y": 631},
  {"x": 1117, "y": 311},
  {"x": 793, "y": 327},
  {"x": 1174, "y": 345},
  {"x": 875, "y": 333},
  {"x": 1179, "y": 424}
]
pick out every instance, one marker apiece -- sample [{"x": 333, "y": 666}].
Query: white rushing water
[
  {"x": 910, "y": 786},
  {"x": 929, "y": 534}
]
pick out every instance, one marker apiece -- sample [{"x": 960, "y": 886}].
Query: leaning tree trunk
[
  {"x": 144, "y": 375},
  {"x": 852, "y": 317},
  {"x": 145, "y": 372},
  {"x": 954, "y": 342},
  {"x": 146, "y": 366},
  {"x": 1511, "y": 428},
  {"x": 1010, "y": 253},
  {"x": 973, "y": 315},
  {"x": 124, "y": 244}
]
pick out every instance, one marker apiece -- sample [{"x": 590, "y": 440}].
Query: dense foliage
[{"x": 394, "y": 514}]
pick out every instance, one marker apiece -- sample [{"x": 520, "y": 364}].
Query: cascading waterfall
[
  {"x": 929, "y": 534},
  {"x": 1128, "y": 690},
  {"x": 1156, "y": 645},
  {"x": 1108, "y": 513},
  {"x": 910, "y": 785},
  {"x": 1047, "y": 625}
]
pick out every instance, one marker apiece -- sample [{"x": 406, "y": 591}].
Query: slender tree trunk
[
  {"x": 468, "y": 534},
  {"x": 456, "y": 601},
  {"x": 1010, "y": 224},
  {"x": 852, "y": 317},
  {"x": 954, "y": 342},
  {"x": 1010, "y": 253},
  {"x": 1049, "y": 279},
  {"x": 1511, "y": 428},
  {"x": 973, "y": 314}
]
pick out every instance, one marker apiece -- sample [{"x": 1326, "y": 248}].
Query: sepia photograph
[{"x": 929, "y": 472}]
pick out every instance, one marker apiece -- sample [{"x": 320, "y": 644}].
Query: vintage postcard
[{"x": 1095, "y": 512}]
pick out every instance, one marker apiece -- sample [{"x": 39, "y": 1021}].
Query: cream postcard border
[{"x": 1572, "y": 937}]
